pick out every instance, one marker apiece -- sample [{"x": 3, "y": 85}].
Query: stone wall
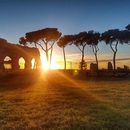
[{"x": 15, "y": 52}]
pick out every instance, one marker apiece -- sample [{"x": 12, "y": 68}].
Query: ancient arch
[
  {"x": 33, "y": 63},
  {"x": 15, "y": 52},
  {"x": 7, "y": 63},
  {"x": 22, "y": 63}
]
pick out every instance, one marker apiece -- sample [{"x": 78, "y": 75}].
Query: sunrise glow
[{"x": 46, "y": 66}]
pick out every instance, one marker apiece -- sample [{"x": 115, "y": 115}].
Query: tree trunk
[
  {"x": 50, "y": 57},
  {"x": 47, "y": 57},
  {"x": 114, "y": 55},
  {"x": 96, "y": 60},
  {"x": 64, "y": 58},
  {"x": 114, "y": 61},
  {"x": 82, "y": 60},
  {"x": 82, "y": 63}
]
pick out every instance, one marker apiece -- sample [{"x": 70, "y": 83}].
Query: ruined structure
[
  {"x": 11, "y": 54},
  {"x": 93, "y": 69},
  {"x": 109, "y": 66}
]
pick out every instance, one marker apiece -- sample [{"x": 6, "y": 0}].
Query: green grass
[{"x": 57, "y": 102}]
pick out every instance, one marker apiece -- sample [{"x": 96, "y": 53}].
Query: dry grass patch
[{"x": 58, "y": 102}]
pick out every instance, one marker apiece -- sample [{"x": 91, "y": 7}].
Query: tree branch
[
  {"x": 97, "y": 48},
  {"x": 116, "y": 46},
  {"x": 84, "y": 45},
  {"x": 35, "y": 44},
  {"x": 79, "y": 48},
  {"x": 44, "y": 41},
  {"x": 51, "y": 46},
  {"x": 112, "y": 47},
  {"x": 93, "y": 49},
  {"x": 41, "y": 47}
]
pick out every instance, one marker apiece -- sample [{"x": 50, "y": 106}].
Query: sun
[{"x": 46, "y": 66}]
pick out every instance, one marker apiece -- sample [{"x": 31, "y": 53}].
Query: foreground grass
[{"x": 57, "y": 102}]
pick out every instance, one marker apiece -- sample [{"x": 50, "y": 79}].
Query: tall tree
[
  {"x": 44, "y": 38},
  {"x": 63, "y": 42},
  {"x": 94, "y": 40},
  {"x": 81, "y": 40},
  {"x": 113, "y": 38}
]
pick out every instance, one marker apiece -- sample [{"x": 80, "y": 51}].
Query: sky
[{"x": 70, "y": 16}]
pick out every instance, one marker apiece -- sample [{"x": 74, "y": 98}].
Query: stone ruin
[
  {"x": 11, "y": 54},
  {"x": 93, "y": 67},
  {"x": 109, "y": 66}
]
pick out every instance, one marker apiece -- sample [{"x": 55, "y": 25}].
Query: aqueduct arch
[{"x": 15, "y": 52}]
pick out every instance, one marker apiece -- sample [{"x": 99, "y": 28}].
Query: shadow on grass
[
  {"x": 79, "y": 109},
  {"x": 64, "y": 105},
  {"x": 19, "y": 80}
]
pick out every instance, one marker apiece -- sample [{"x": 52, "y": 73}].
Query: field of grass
[{"x": 57, "y": 102}]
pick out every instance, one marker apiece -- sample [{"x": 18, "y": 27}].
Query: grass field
[{"x": 57, "y": 102}]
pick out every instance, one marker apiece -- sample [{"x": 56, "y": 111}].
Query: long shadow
[
  {"x": 83, "y": 110},
  {"x": 19, "y": 80},
  {"x": 69, "y": 106}
]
